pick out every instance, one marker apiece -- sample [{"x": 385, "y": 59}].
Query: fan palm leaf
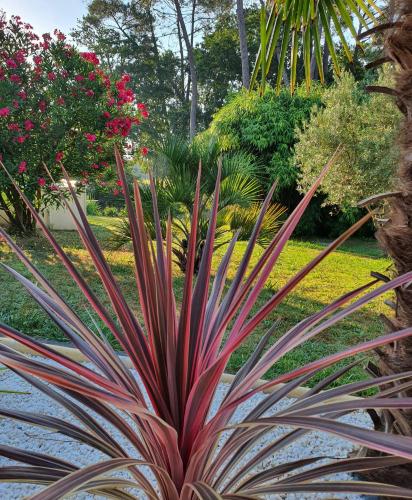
[{"x": 294, "y": 26}]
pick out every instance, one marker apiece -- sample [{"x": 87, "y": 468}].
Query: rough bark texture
[
  {"x": 244, "y": 55},
  {"x": 17, "y": 215},
  {"x": 395, "y": 236}
]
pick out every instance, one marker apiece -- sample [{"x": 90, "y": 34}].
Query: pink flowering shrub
[{"x": 56, "y": 105}]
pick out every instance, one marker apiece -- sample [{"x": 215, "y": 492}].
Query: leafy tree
[
  {"x": 219, "y": 60},
  {"x": 56, "y": 105},
  {"x": 265, "y": 127},
  {"x": 366, "y": 127},
  {"x": 124, "y": 37}
]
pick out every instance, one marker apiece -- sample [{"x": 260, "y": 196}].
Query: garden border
[{"x": 226, "y": 378}]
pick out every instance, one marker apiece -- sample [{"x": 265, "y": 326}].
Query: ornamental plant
[
  {"x": 176, "y": 447},
  {"x": 56, "y": 105},
  {"x": 174, "y": 166}
]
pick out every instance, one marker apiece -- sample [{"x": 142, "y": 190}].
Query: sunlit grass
[{"x": 346, "y": 269}]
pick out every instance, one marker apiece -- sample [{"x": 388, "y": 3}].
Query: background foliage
[{"x": 366, "y": 126}]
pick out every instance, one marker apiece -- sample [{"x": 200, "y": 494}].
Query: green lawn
[{"x": 344, "y": 270}]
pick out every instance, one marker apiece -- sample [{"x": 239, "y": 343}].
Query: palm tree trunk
[
  {"x": 244, "y": 55},
  {"x": 395, "y": 236}
]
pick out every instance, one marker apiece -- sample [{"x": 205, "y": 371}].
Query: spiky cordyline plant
[{"x": 180, "y": 354}]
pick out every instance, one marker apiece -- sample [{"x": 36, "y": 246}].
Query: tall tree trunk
[
  {"x": 192, "y": 69},
  {"x": 244, "y": 54},
  {"x": 395, "y": 236},
  {"x": 182, "y": 63},
  {"x": 156, "y": 53}
]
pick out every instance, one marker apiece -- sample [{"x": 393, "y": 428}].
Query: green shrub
[
  {"x": 366, "y": 127},
  {"x": 265, "y": 127},
  {"x": 92, "y": 207},
  {"x": 110, "y": 212}
]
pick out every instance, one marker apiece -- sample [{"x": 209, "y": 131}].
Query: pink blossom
[
  {"x": 22, "y": 94},
  {"x": 20, "y": 139},
  {"x": 106, "y": 114},
  {"x": 42, "y": 106},
  {"x": 15, "y": 103},
  {"x": 119, "y": 182},
  {"x": 79, "y": 78},
  {"x": 141, "y": 106},
  {"x": 11, "y": 63},
  {"x": 19, "y": 56},
  {"x": 15, "y": 78},
  {"x": 37, "y": 60},
  {"x": 28, "y": 125},
  {"x": 53, "y": 187},
  {"x": 51, "y": 76},
  {"x": 89, "y": 93},
  {"x": 95, "y": 166},
  {"x": 126, "y": 78},
  {"x": 13, "y": 126},
  {"x": 116, "y": 192},
  {"x": 4, "y": 111},
  {"x": 41, "y": 181},
  {"x": 92, "y": 76},
  {"x": 59, "y": 155},
  {"x": 145, "y": 114},
  {"x": 144, "y": 150},
  {"x": 60, "y": 101},
  {"x": 90, "y": 57},
  {"x": 90, "y": 137},
  {"x": 60, "y": 36},
  {"x": 22, "y": 167}
]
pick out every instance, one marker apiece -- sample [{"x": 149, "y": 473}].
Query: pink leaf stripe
[{"x": 179, "y": 353}]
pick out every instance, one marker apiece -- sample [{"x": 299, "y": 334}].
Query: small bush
[
  {"x": 110, "y": 212},
  {"x": 366, "y": 128},
  {"x": 92, "y": 207}
]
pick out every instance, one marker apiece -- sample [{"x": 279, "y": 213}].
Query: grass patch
[{"x": 346, "y": 269}]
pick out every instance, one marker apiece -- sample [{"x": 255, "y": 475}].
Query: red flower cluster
[
  {"x": 125, "y": 95},
  {"x": 90, "y": 137},
  {"x": 31, "y": 121},
  {"x": 142, "y": 108},
  {"x": 22, "y": 167},
  {"x": 120, "y": 126},
  {"x": 90, "y": 57}
]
